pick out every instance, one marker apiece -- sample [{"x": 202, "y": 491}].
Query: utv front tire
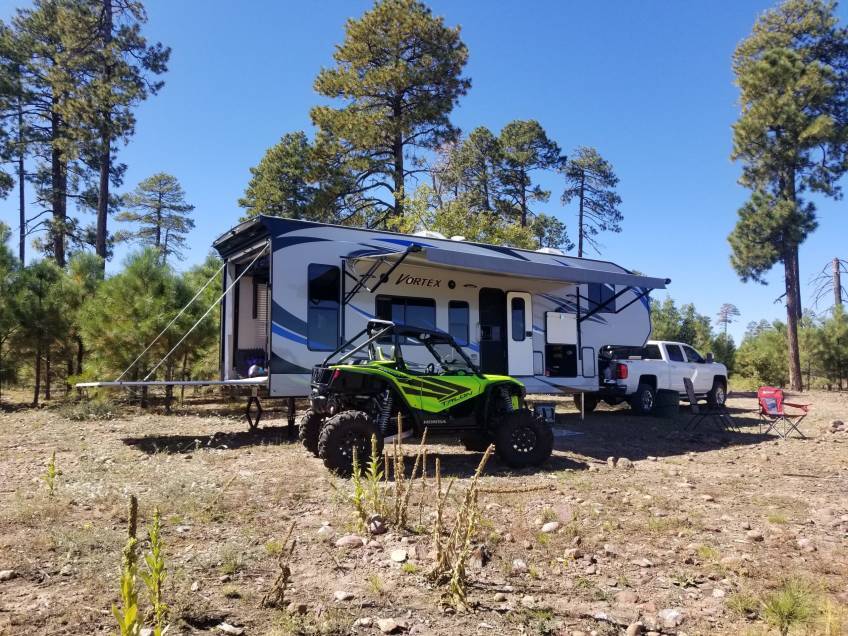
[
  {"x": 309, "y": 428},
  {"x": 523, "y": 439},
  {"x": 341, "y": 434}
]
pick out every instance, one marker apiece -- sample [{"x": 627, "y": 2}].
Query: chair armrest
[{"x": 803, "y": 407}]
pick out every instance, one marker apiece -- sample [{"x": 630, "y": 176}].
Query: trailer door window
[
  {"x": 458, "y": 320},
  {"x": 322, "y": 328},
  {"x": 517, "y": 309}
]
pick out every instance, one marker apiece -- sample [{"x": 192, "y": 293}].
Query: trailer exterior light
[{"x": 621, "y": 371}]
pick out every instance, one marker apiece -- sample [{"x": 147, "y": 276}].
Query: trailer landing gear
[{"x": 253, "y": 417}]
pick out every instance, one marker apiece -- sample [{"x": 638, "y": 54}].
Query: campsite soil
[{"x": 702, "y": 524}]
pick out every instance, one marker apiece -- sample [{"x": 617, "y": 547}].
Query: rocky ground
[{"x": 634, "y": 526}]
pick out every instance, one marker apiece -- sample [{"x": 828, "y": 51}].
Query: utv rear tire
[
  {"x": 718, "y": 395},
  {"x": 309, "y": 428},
  {"x": 644, "y": 399},
  {"x": 340, "y": 434},
  {"x": 590, "y": 401},
  {"x": 476, "y": 442},
  {"x": 523, "y": 439}
]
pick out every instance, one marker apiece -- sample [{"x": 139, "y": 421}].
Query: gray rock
[
  {"x": 623, "y": 462},
  {"x": 230, "y": 629},
  {"x": 478, "y": 558},
  {"x": 376, "y": 525},
  {"x": 365, "y": 621},
  {"x": 350, "y": 541},
  {"x": 195, "y": 586},
  {"x": 399, "y": 556},
  {"x": 326, "y": 533},
  {"x": 746, "y": 525},
  {"x": 634, "y": 629},
  {"x": 390, "y": 625},
  {"x": 519, "y": 566},
  {"x": 611, "y": 462},
  {"x": 550, "y": 526},
  {"x": 671, "y": 617},
  {"x": 806, "y": 545},
  {"x": 7, "y": 575},
  {"x": 754, "y": 535},
  {"x": 66, "y": 570},
  {"x": 299, "y": 609},
  {"x": 643, "y": 563},
  {"x": 342, "y": 595},
  {"x": 528, "y": 601},
  {"x": 626, "y": 597},
  {"x": 146, "y": 631},
  {"x": 500, "y": 597}
]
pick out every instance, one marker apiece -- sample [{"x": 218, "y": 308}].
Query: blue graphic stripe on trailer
[
  {"x": 361, "y": 311},
  {"x": 288, "y": 241},
  {"x": 285, "y": 333},
  {"x": 404, "y": 242}
]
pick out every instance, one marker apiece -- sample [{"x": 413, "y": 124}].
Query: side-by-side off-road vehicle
[{"x": 367, "y": 386}]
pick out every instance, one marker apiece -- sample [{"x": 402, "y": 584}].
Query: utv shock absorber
[
  {"x": 506, "y": 400},
  {"x": 385, "y": 411}
]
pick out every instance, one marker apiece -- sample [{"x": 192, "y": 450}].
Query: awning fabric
[{"x": 464, "y": 261}]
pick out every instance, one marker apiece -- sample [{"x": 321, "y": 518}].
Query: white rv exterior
[{"x": 539, "y": 316}]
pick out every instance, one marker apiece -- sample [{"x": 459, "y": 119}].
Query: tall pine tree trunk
[
  {"x": 523, "y": 201},
  {"x": 580, "y": 230},
  {"x": 837, "y": 287},
  {"x": 21, "y": 184},
  {"x": 790, "y": 256},
  {"x": 37, "y": 389},
  {"x": 397, "y": 152},
  {"x": 59, "y": 178},
  {"x": 47, "y": 373},
  {"x": 105, "y": 159}
]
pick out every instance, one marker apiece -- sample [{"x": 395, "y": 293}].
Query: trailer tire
[
  {"x": 644, "y": 399},
  {"x": 308, "y": 430},
  {"x": 523, "y": 439},
  {"x": 476, "y": 442},
  {"x": 590, "y": 401},
  {"x": 340, "y": 434},
  {"x": 718, "y": 394}
]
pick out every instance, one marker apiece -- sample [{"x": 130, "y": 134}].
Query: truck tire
[
  {"x": 642, "y": 402},
  {"x": 341, "y": 434},
  {"x": 309, "y": 427},
  {"x": 476, "y": 442},
  {"x": 590, "y": 400},
  {"x": 718, "y": 394},
  {"x": 523, "y": 439}
]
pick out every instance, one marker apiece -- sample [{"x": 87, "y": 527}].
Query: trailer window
[
  {"x": 517, "y": 309},
  {"x": 458, "y": 320},
  {"x": 322, "y": 314},
  {"x": 600, "y": 293},
  {"x": 401, "y": 310}
]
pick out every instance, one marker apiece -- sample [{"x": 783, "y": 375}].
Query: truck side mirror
[{"x": 710, "y": 359}]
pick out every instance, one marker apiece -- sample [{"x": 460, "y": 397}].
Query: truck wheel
[
  {"x": 523, "y": 439},
  {"x": 476, "y": 442},
  {"x": 341, "y": 434},
  {"x": 309, "y": 427},
  {"x": 644, "y": 399},
  {"x": 589, "y": 399},
  {"x": 718, "y": 395}
]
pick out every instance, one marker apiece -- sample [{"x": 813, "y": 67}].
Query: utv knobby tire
[
  {"x": 340, "y": 434},
  {"x": 309, "y": 428},
  {"x": 589, "y": 400},
  {"x": 523, "y": 439},
  {"x": 476, "y": 442}
]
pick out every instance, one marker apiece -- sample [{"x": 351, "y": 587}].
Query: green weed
[
  {"x": 793, "y": 604},
  {"x": 50, "y": 474}
]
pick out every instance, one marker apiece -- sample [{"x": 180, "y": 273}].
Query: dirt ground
[{"x": 693, "y": 537}]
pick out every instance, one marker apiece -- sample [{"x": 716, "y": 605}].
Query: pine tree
[
  {"x": 159, "y": 209},
  {"x": 726, "y": 313},
  {"x": 792, "y": 72},
  {"x": 526, "y": 148},
  {"x": 551, "y": 232},
  {"x": 9, "y": 271},
  {"x": 399, "y": 70},
  {"x": 591, "y": 181}
]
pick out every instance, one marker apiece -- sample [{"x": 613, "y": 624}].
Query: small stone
[
  {"x": 500, "y": 597},
  {"x": 591, "y": 569},
  {"x": 626, "y": 597},
  {"x": 342, "y": 595},
  {"x": 611, "y": 462},
  {"x": 671, "y": 617},
  {"x": 527, "y": 545},
  {"x": 746, "y": 525},
  {"x": 390, "y": 625},
  {"x": 623, "y": 462},
  {"x": 224, "y": 578},
  {"x": 610, "y": 550},
  {"x": 707, "y": 497},
  {"x": 806, "y": 545},
  {"x": 66, "y": 570},
  {"x": 719, "y": 593},
  {"x": 350, "y": 541},
  {"x": 651, "y": 458},
  {"x": 147, "y": 631},
  {"x": 298, "y": 608},
  {"x": 479, "y": 557},
  {"x": 643, "y": 563},
  {"x": 195, "y": 586},
  {"x": 754, "y": 535},
  {"x": 634, "y": 629},
  {"x": 326, "y": 533},
  {"x": 230, "y": 629},
  {"x": 365, "y": 621},
  {"x": 528, "y": 601},
  {"x": 573, "y": 554},
  {"x": 7, "y": 575},
  {"x": 519, "y": 566},
  {"x": 399, "y": 556},
  {"x": 550, "y": 526}
]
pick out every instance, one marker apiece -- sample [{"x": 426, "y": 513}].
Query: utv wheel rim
[
  {"x": 647, "y": 400},
  {"x": 524, "y": 439},
  {"x": 350, "y": 440}
]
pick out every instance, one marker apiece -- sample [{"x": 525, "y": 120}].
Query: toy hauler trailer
[{"x": 295, "y": 290}]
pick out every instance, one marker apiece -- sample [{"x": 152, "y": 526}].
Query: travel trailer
[{"x": 295, "y": 290}]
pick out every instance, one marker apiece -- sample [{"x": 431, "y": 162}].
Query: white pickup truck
[{"x": 634, "y": 374}]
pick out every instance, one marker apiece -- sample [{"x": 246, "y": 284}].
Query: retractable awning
[{"x": 484, "y": 263}]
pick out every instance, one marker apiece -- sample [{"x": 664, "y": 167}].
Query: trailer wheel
[
  {"x": 644, "y": 399},
  {"x": 590, "y": 401},
  {"x": 523, "y": 439},
  {"x": 341, "y": 434},
  {"x": 309, "y": 427},
  {"x": 476, "y": 442}
]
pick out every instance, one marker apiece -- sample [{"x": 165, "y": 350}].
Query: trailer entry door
[{"x": 520, "y": 333}]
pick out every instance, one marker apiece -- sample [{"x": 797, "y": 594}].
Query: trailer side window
[
  {"x": 517, "y": 309},
  {"x": 458, "y": 320},
  {"x": 324, "y": 289},
  {"x": 600, "y": 293},
  {"x": 402, "y": 310}
]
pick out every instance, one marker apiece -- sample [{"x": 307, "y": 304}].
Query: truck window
[
  {"x": 652, "y": 352},
  {"x": 674, "y": 353},
  {"x": 458, "y": 320},
  {"x": 692, "y": 355},
  {"x": 322, "y": 310}
]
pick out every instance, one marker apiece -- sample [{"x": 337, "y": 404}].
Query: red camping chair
[{"x": 773, "y": 414}]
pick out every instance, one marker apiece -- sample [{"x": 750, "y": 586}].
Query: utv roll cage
[{"x": 377, "y": 330}]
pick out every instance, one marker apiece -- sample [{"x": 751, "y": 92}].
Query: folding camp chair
[
  {"x": 773, "y": 415},
  {"x": 718, "y": 413}
]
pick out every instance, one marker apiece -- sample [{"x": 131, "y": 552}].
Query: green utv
[{"x": 370, "y": 384}]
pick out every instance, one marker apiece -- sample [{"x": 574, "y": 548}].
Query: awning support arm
[
  {"x": 606, "y": 303},
  {"x": 362, "y": 280}
]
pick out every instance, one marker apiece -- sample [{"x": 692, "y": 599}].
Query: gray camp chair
[{"x": 718, "y": 414}]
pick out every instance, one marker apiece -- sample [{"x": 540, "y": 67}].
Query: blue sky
[{"x": 648, "y": 84}]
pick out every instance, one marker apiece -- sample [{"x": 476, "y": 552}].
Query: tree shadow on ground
[{"x": 182, "y": 444}]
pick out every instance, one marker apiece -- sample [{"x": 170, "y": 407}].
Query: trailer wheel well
[{"x": 649, "y": 379}]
